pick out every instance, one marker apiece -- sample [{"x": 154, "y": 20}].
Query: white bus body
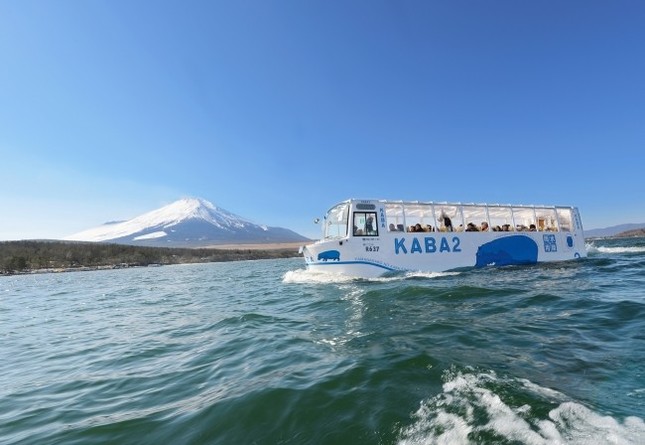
[{"x": 368, "y": 238}]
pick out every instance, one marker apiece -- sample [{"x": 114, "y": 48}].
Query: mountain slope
[
  {"x": 611, "y": 231},
  {"x": 189, "y": 222}
]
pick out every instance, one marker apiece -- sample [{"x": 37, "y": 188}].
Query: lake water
[{"x": 263, "y": 352}]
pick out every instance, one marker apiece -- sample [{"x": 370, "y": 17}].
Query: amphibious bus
[{"x": 368, "y": 238}]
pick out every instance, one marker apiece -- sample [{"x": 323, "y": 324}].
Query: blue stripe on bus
[{"x": 334, "y": 263}]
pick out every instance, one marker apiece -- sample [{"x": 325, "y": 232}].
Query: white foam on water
[
  {"x": 578, "y": 423},
  {"x": 340, "y": 340},
  {"x": 592, "y": 248},
  {"x": 307, "y": 276},
  {"x": 456, "y": 417},
  {"x": 430, "y": 274},
  {"x": 634, "y": 249}
]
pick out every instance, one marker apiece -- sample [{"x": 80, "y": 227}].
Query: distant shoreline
[{"x": 31, "y": 257}]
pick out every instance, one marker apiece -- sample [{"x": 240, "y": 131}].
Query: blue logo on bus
[
  {"x": 508, "y": 250},
  {"x": 333, "y": 255},
  {"x": 550, "y": 244}
]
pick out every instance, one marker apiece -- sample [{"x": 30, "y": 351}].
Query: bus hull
[{"x": 439, "y": 252}]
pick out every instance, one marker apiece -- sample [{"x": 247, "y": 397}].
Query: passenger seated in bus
[
  {"x": 532, "y": 228},
  {"x": 484, "y": 227},
  {"x": 497, "y": 229},
  {"x": 470, "y": 227},
  {"x": 400, "y": 227},
  {"x": 418, "y": 228},
  {"x": 429, "y": 228},
  {"x": 506, "y": 228},
  {"x": 392, "y": 228}
]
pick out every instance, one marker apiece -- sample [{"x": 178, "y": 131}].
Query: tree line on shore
[
  {"x": 27, "y": 256},
  {"x": 631, "y": 233}
]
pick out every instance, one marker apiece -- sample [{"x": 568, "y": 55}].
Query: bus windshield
[{"x": 335, "y": 225}]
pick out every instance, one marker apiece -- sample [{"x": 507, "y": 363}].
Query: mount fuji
[{"x": 189, "y": 222}]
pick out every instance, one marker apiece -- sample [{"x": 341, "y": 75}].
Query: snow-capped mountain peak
[
  {"x": 188, "y": 221},
  {"x": 191, "y": 208}
]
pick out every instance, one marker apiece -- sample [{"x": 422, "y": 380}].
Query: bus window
[
  {"x": 564, "y": 219},
  {"x": 501, "y": 218},
  {"x": 546, "y": 219},
  {"x": 394, "y": 215},
  {"x": 477, "y": 216},
  {"x": 336, "y": 221},
  {"x": 524, "y": 218},
  {"x": 365, "y": 224},
  {"x": 449, "y": 218},
  {"x": 419, "y": 217}
]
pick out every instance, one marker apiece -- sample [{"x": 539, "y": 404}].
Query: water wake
[
  {"x": 613, "y": 250},
  {"x": 305, "y": 276},
  {"x": 477, "y": 407}
]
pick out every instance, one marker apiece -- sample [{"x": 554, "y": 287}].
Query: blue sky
[{"x": 276, "y": 110}]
